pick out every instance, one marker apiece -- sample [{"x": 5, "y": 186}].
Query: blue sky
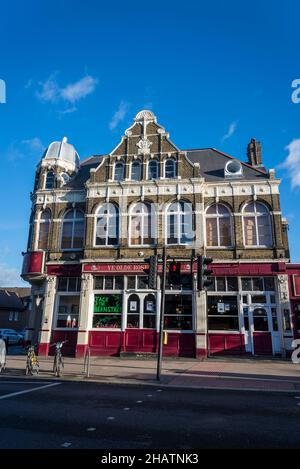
[{"x": 215, "y": 74}]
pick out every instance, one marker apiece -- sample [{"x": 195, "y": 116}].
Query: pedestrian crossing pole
[{"x": 162, "y": 313}]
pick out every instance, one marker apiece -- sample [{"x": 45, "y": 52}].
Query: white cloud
[
  {"x": 292, "y": 162},
  {"x": 51, "y": 91},
  {"x": 119, "y": 115},
  {"x": 10, "y": 277},
  {"x": 32, "y": 148},
  {"x": 231, "y": 129},
  {"x": 76, "y": 91}
]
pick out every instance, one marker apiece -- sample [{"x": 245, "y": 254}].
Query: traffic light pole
[{"x": 162, "y": 313}]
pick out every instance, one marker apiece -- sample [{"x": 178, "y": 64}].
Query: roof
[
  {"x": 10, "y": 300},
  {"x": 212, "y": 163},
  {"x": 62, "y": 151},
  {"x": 83, "y": 173}
]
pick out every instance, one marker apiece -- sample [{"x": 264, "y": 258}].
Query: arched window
[
  {"x": 133, "y": 312},
  {"x": 218, "y": 226},
  {"x": 136, "y": 171},
  {"x": 142, "y": 224},
  {"x": 119, "y": 172},
  {"x": 180, "y": 223},
  {"x": 107, "y": 225},
  {"x": 170, "y": 168},
  {"x": 44, "y": 225},
  {"x": 72, "y": 229},
  {"x": 153, "y": 169},
  {"x": 149, "y": 316},
  {"x": 49, "y": 180},
  {"x": 257, "y": 225}
]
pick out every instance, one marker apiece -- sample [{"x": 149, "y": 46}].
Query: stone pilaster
[
  {"x": 47, "y": 316},
  {"x": 86, "y": 314}
]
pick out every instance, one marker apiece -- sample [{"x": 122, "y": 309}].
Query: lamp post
[{"x": 162, "y": 313}]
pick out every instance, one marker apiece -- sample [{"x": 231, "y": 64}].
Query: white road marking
[
  {"x": 149, "y": 395},
  {"x": 139, "y": 402},
  {"x": 12, "y": 394},
  {"x": 297, "y": 397},
  {"x": 66, "y": 444},
  {"x": 110, "y": 418},
  {"x": 159, "y": 390},
  {"x": 24, "y": 382},
  {"x": 126, "y": 408},
  {"x": 91, "y": 429}
]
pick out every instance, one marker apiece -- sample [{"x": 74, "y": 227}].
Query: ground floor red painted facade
[{"x": 252, "y": 309}]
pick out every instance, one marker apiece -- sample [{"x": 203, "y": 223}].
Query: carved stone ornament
[{"x": 144, "y": 146}]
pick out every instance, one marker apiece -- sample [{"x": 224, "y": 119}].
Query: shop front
[{"x": 244, "y": 317}]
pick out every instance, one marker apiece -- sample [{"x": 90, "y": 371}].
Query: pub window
[
  {"x": 170, "y": 168},
  {"x": 107, "y": 225},
  {"x": 136, "y": 171},
  {"x": 218, "y": 226},
  {"x": 269, "y": 283},
  {"x": 257, "y": 225},
  {"x": 142, "y": 224},
  {"x": 180, "y": 223},
  {"x": 222, "y": 313},
  {"x": 49, "y": 184},
  {"x": 149, "y": 318},
  {"x": 69, "y": 284},
  {"x": 72, "y": 229},
  {"x": 142, "y": 283},
  {"x": 133, "y": 312},
  {"x": 107, "y": 311},
  {"x": 287, "y": 320},
  {"x": 153, "y": 169},
  {"x": 98, "y": 283},
  {"x": 119, "y": 172},
  {"x": 44, "y": 226},
  {"x": 68, "y": 311},
  {"x": 178, "y": 312},
  {"x": 131, "y": 282}
]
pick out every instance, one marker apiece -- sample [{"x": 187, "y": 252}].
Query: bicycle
[
  {"x": 58, "y": 363},
  {"x": 32, "y": 364}
]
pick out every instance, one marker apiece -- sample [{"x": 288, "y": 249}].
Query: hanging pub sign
[{"x": 108, "y": 304}]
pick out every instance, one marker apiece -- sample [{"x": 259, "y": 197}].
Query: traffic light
[
  {"x": 203, "y": 273},
  {"x": 153, "y": 272},
  {"x": 174, "y": 277}
]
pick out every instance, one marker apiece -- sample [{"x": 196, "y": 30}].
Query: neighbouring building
[
  {"x": 15, "y": 306},
  {"x": 94, "y": 224}
]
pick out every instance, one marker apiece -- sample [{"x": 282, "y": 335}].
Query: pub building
[{"x": 95, "y": 223}]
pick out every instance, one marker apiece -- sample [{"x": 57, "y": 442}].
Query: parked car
[{"x": 11, "y": 336}]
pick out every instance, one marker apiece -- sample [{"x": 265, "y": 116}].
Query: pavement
[{"x": 240, "y": 374}]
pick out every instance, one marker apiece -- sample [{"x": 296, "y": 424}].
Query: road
[{"x": 53, "y": 414}]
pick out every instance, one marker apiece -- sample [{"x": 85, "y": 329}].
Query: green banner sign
[{"x": 108, "y": 304}]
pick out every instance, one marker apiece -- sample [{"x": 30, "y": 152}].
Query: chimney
[{"x": 254, "y": 152}]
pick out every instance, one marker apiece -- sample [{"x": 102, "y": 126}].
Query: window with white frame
[
  {"x": 43, "y": 231},
  {"x": 170, "y": 168},
  {"x": 50, "y": 179},
  {"x": 136, "y": 171},
  {"x": 119, "y": 171},
  {"x": 180, "y": 223},
  {"x": 257, "y": 225},
  {"x": 142, "y": 224},
  {"x": 153, "y": 169},
  {"x": 107, "y": 225},
  {"x": 218, "y": 226},
  {"x": 72, "y": 230},
  {"x": 68, "y": 300}
]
